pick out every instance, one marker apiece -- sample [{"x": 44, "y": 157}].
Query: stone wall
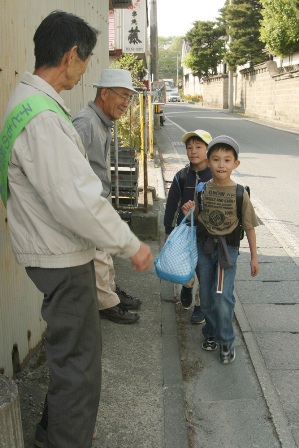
[
  {"x": 215, "y": 91},
  {"x": 264, "y": 92}
]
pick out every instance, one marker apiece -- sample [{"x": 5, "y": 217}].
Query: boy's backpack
[
  {"x": 181, "y": 178},
  {"x": 239, "y": 201}
]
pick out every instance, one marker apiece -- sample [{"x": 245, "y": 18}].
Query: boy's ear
[{"x": 237, "y": 163}]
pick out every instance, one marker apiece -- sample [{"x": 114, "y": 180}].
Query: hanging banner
[{"x": 134, "y": 27}]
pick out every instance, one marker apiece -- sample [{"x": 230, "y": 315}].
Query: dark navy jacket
[{"x": 173, "y": 214}]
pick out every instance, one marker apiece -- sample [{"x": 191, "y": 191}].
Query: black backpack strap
[
  {"x": 181, "y": 178},
  {"x": 239, "y": 201}
]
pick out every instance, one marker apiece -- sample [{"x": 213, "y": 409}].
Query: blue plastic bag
[{"x": 178, "y": 258}]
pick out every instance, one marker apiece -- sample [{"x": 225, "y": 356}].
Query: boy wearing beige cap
[{"x": 182, "y": 190}]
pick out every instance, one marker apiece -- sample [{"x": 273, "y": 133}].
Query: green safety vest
[{"x": 13, "y": 126}]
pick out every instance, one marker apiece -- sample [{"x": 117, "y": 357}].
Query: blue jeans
[{"x": 218, "y": 308}]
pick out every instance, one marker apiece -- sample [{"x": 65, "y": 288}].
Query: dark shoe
[
  {"x": 186, "y": 297},
  {"x": 39, "y": 437},
  {"x": 227, "y": 353},
  {"x": 197, "y": 316},
  {"x": 119, "y": 315},
  {"x": 129, "y": 302},
  {"x": 209, "y": 344}
]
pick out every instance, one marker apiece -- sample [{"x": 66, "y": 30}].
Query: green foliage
[
  {"x": 129, "y": 61},
  {"x": 242, "y": 21},
  {"x": 169, "y": 57},
  {"x": 242, "y": 33},
  {"x": 128, "y": 125},
  {"x": 207, "y": 48},
  {"x": 280, "y": 26}
]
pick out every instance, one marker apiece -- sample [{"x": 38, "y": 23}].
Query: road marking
[{"x": 288, "y": 241}]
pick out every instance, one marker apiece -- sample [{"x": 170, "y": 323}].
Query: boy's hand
[
  {"x": 254, "y": 267},
  {"x": 187, "y": 206}
]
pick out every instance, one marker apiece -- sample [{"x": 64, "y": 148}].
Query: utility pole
[
  {"x": 230, "y": 79},
  {"x": 154, "y": 70}
]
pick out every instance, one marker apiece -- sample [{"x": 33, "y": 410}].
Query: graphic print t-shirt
[{"x": 219, "y": 210}]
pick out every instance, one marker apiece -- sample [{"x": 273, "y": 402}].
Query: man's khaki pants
[{"x": 105, "y": 280}]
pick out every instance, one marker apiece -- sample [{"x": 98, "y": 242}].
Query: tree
[
  {"x": 207, "y": 43},
  {"x": 169, "y": 50},
  {"x": 242, "y": 21},
  {"x": 280, "y": 26},
  {"x": 129, "y": 61}
]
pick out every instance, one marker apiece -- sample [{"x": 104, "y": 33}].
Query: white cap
[{"x": 116, "y": 77}]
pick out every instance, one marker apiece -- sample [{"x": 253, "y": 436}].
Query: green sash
[{"x": 15, "y": 123}]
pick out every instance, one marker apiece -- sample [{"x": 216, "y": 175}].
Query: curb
[
  {"x": 176, "y": 435},
  {"x": 269, "y": 392}
]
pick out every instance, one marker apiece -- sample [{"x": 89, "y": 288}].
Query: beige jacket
[{"x": 56, "y": 214}]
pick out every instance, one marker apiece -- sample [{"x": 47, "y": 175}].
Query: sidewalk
[
  {"x": 160, "y": 390},
  {"x": 267, "y": 315},
  {"x": 142, "y": 402}
]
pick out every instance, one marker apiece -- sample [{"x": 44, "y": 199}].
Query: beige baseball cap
[{"x": 204, "y": 135}]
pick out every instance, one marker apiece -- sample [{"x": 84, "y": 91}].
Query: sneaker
[
  {"x": 209, "y": 344},
  {"x": 186, "y": 297},
  {"x": 40, "y": 436},
  {"x": 129, "y": 302},
  {"x": 119, "y": 315},
  {"x": 227, "y": 353},
  {"x": 197, "y": 316}
]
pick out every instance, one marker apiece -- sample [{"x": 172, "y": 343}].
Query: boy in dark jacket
[{"x": 181, "y": 191}]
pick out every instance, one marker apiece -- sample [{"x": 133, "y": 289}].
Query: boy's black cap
[{"x": 226, "y": 140}]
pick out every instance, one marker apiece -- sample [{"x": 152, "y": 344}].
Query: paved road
[
  {"x": 269, "y": 161},
  {"x": 253, "y": 402}
]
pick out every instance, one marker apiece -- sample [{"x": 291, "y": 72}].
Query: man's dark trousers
[{"x": 73, "y": 349}]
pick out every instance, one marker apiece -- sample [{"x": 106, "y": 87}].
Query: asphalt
[
  {"x": 266, "y": 314},
  {"x": 161, "y": 390}
]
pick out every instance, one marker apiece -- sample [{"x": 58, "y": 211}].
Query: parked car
[{"x": 174, "y": 97}]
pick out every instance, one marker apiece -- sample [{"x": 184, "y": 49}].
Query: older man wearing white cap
[{"x": 94, "y": 123}]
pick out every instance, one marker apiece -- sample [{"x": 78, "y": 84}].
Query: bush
[
  {"x": 195, "y": 98},
  {"x": 129, "y": 126}
]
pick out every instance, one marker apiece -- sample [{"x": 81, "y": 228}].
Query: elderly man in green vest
[{"x": 56, "y": 217}]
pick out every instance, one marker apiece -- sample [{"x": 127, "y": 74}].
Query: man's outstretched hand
[{"x": 143, "y": 258}]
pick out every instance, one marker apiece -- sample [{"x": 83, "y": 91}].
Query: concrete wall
[
  {"x": 192, "y": 85},
  {"x": 269, "y": 92},
  {"x": 264, "y": 91},
  {"x": 215, "y": 91},
  {"x": 21, "y": 326}
]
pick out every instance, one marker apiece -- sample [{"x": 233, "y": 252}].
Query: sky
[{"x": 175, "y": 18}]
